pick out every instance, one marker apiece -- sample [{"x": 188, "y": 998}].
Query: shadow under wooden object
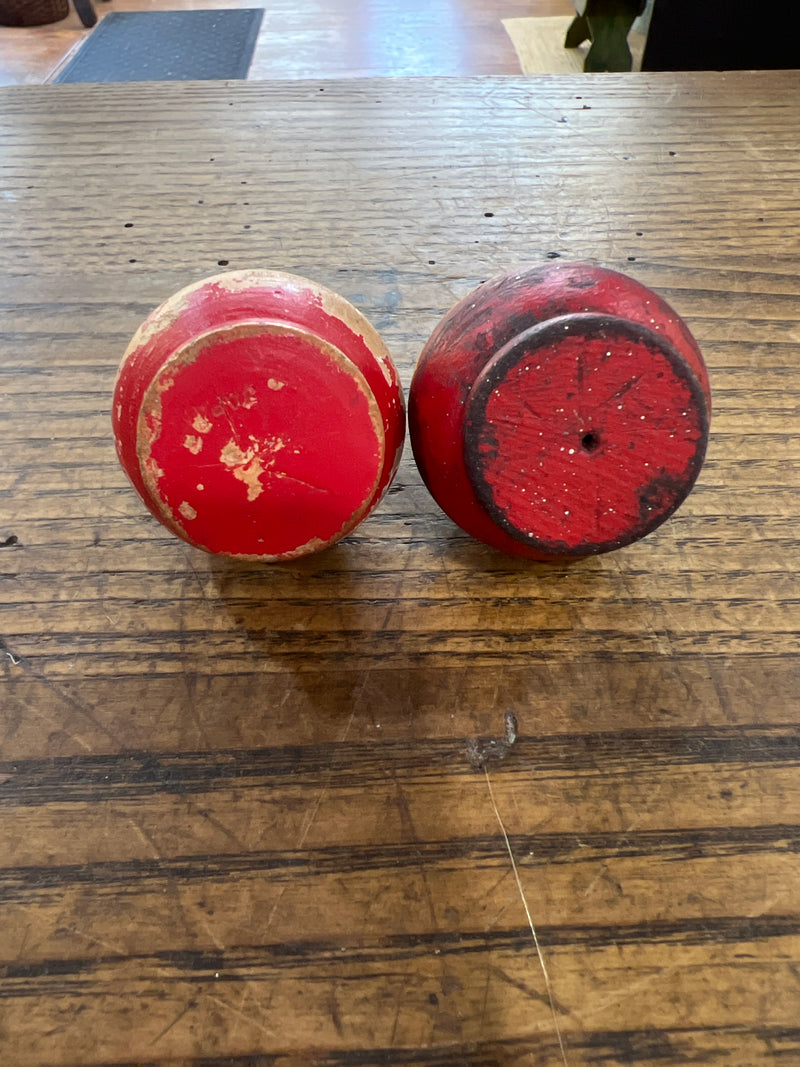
[{"x": 606, "y": 23}]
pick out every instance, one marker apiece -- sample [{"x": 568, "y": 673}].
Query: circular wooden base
[
  {"x": 260, "y": 440},
  {"x": 584, "y": 434}
]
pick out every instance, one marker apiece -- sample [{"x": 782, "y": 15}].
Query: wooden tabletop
[{"x": 239, "y": 825}]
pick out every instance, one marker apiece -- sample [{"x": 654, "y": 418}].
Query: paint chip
[
  {"x": 201, "y": 424},
  {"x": 187, "y": 511},
  {"x": 246, "y": 466}
]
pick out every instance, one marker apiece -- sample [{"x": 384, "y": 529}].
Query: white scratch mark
[{"x": 528, "y": 915}]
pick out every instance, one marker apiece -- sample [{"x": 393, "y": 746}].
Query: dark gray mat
[{"x": 167, "y": 46}]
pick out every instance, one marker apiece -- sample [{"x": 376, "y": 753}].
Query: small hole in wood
[{"x": 590, "y": 442}]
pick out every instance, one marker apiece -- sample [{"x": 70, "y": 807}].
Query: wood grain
[{"x": 237, "y": 820}]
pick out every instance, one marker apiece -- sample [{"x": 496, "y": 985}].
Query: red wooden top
[
  {"x": 258, "y": 414},
  {"x": 562, "y": 410}
]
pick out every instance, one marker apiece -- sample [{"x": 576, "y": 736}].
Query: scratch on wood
[
  {"x": 16, "y": 660},
  {"x": 145, "y": 836},
  {"x": 192, "y": 1004},
  {"x": 407, "y": 822},
  {"x": 217, "y": 824},
  {"x": 526, "y": 989},
  {"x": 61, "y": 692},
  {"x": 478, "y": 755},
  {"x": 496, "y": 748},
  {"x": 335, "y": 1014},
  {"x": 228, "y": 1008},
  {"x": 314, "y": 811}
]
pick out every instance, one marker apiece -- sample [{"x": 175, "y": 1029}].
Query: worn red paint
[
  {"x": 258, "y": 415},
  {"x": 559, "y": 412}
]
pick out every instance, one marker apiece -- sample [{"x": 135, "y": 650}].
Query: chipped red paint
[
  {"x": 560, "y": 411},
  {"x": 258, "y": 415}
]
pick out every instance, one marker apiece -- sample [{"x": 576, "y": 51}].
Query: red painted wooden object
[
  {"x": 560, "y": 412},
  {"x": 258, "y": 415}
]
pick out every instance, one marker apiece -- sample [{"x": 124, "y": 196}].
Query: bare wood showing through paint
[{"x": 238, "y": 820}]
